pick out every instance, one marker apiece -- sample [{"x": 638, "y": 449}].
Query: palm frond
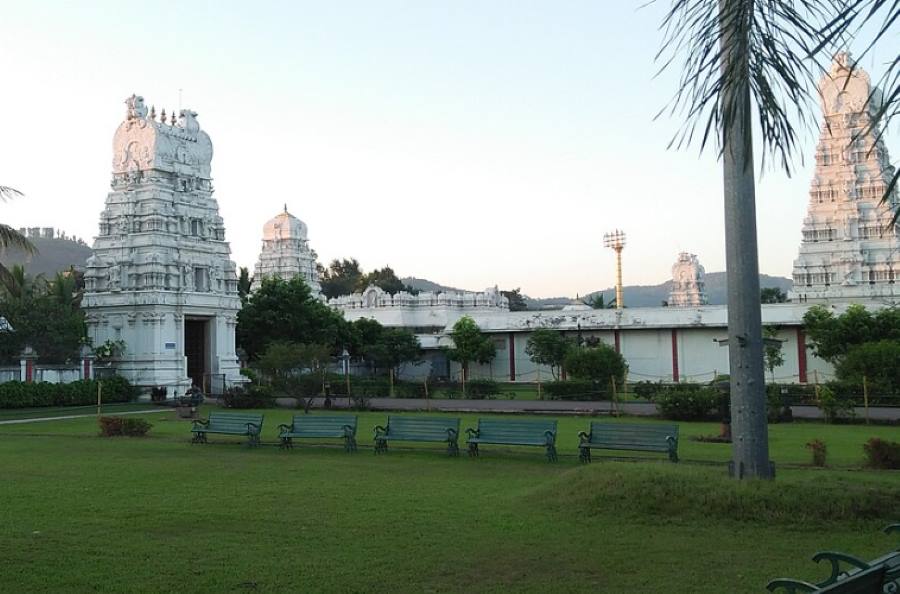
[
  {"x": 6, "y": 193},
  {"x": 775, "y": 61},
  {"x": 10, "y": 238}
]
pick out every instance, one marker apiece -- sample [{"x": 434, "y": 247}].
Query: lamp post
[
  {"x": 345, "y": 363},
  {"x": 616, "y": 240}
]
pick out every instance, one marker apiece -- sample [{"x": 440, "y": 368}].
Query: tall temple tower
[
  {"x": 688, "y": 282},
  {"x": 849, "y": 250},
  {"x": 286, "y": 253},
  {"x": 161, "y": 278}
]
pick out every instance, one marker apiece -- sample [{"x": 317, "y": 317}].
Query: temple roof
[{"x": 284, "y": 226}]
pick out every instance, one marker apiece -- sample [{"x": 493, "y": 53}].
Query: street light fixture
[{"x": 616, "y": 241}]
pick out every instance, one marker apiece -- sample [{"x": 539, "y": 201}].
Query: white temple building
[
  {"x": 286, "y": 253},
  {"x": 161, "y": 278},
  {"x": 850, "y": 250},
  {"x": 688, "y": 283}
]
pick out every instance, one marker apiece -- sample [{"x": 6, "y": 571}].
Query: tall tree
[
  {"x": 10, "y": 238},
  {"x": 469, "y": 345},
  {"x": 342, "y": 277},
  {"x": 772, "y": 295},
  {"x": 737, "y": 55},
  {"x": 386, "y": 279},
  {"x": 286, "y": 310},
  {"x": 244, "y": 282},
  {"x": 393, "y": 348},
  {"x": 548, "y": 347},
  {"x": 516, "y": 300}
]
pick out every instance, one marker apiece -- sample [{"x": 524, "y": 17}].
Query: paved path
[
  {"x": 63, "y": 417},
  {"x": 576, "y": 407}
]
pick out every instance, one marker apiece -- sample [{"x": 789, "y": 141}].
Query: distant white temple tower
[
  {"x": 849, "y": 251},
  {"x": 161, "y": 278},
  {"x": 286, "y": 253},
  {"x": 688, "y": 282}
]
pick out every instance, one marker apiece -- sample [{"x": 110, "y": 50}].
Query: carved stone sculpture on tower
[
  {"x": 688, "y": 283},
  {"x": 161, "y": 257},
  {"x": 849, "y": 250},
  {"x": 286, "y": 253}
]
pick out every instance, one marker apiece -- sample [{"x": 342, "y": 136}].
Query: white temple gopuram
[
  {"x": 161, "y": 278},
  {"x": 688, "y": 284},
  {"x": 286, "y": 253},
  {"x": 849, "y": 250}
]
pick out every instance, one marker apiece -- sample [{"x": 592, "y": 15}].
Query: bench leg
[
  {"x": 381, "y": 446},
  {"x": 350, "y": 444},
  {"x": 673, "y": 455},
  {"x": 473, "y": 450},
  {"x": 551, "y": 453},
  {"x": 253, "y": 440},
  {"x": 287, "y": 443},
  {"x": 452, "y": 448},
  {"x": 584, "y": 455},
  {"x": 199, "y": 437}
]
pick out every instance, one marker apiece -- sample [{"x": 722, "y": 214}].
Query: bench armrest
[
  {"x": 891, "y": 528},
  {"x": 550, "y": 435},
  {"x": 379, "y": 431},
  {"x": 198, "y": 423},
  {"x": 254, "y": 428},
  {"x": 835, "y": 558},
  {"x": 584, "y": 437},
  {"x": 472, "y": 432},
  {"x": 452, "y": 434},
  {"x": 285, "y": 428},
  {"x": 349, "y": 430},
  {"x": 790, "y": 586}
]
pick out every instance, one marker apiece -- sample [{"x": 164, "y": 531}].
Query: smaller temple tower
[
  {"x": 688, "y": 284},
  {"x": 286, "y": 253}
]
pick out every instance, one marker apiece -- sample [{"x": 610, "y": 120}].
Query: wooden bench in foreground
[
  {"x": 249, "y": 425},
  {"x": 415, "y": 428},
  {"x": 514, "y": 432},
  {"x": 867, "y": 581},
  {"x": 648, "y": 437},
  {"x": 322, "y": 426}
]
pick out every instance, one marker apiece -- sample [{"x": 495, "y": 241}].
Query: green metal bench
[
  {"x": 514, "y": 432},
  {"x": 635, "y": 437},
  {"x": 414, "y": 428},
  {"x": 229, "y": 424},
  {"x": 851, "y": 567},
  {"x": 325, "y": 426},
  {"x": 867, "y": 581}
]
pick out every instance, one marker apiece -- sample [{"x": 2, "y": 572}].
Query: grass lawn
[{"x": 83, "y": 513}]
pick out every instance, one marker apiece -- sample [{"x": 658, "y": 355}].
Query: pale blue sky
[{"x": 470, "y": 142}]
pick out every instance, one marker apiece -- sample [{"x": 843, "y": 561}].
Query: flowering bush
[{"x": 111, "y": 349}]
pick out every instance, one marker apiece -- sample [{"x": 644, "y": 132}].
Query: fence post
[
  {"x": 866, "y": 397},
  {"x": 99, "y": 400},
  {"x": 540, "y": 396},
  {"x": 615, "y": 404}
]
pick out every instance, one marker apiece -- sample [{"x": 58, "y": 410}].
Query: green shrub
[
  {"x": 833, "y": 405},
  {"x": 598, "y": 364},
  {"x": 576, "y": 390},
  {"x": 690, "y": 403},
  {"x": 881, "y": 453},
  {"x": 777, "y": 407},
  {"x": 646, "y": 389},
  {"x": 78, "y": 393},
  {"x": 479, "y": 389},
  {"x": 819, "y": 451},
  {"x": 252, "y": 396},
  {"x": 123, "y": 426}
]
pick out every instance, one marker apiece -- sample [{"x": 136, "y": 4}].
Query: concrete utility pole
[
  {"x": 616, "y": 241},
  {"x": 750, "y": 438}
]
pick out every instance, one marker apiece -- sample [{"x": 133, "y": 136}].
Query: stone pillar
[{"x": 27, "y": 359}]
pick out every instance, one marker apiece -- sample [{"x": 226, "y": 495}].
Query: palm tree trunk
[{"x": 750, "y": 441}]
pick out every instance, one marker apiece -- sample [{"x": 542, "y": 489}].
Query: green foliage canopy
[
  {"x": 598, "y": 364},
  {"x": 470, "y": 345},
  {"x": 831, "y": 337},
  {"x": 285, "y": 310},
  {"x": 548, "y": 347}
]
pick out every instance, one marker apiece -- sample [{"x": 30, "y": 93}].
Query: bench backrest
[
  {"x": 324, "y": 425},
  {"x": 867, "y": 581},
  {"x": 234, "y": 421},
  {"x": 414, "y": 427},
  {"x": 514, "y": 429},
  {"x": 643, "y": 436}
]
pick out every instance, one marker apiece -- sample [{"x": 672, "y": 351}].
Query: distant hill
[
  {"x": 54, "y": 255},
  {"x": 421, "y": 284},
  {"x": 635, "y": 295}
]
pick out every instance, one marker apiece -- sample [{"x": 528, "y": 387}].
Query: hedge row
[{"x": 79, "y": 393}]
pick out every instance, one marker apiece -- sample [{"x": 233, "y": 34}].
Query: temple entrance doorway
[{"x": 196, "y": 349}]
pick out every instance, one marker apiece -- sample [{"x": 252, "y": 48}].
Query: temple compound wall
[{"x": 161, "y": 278}]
